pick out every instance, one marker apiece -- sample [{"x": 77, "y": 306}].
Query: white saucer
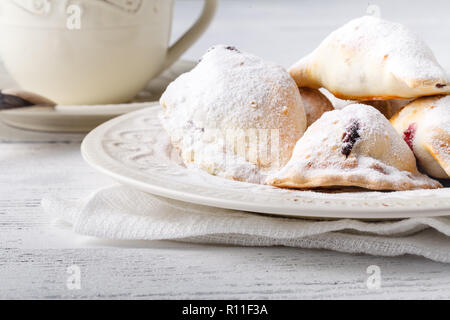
[
  {"x": 86, "y": 118},
  {"x": 133, "y": 149}
]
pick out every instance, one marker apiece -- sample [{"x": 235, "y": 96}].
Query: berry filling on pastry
[
  {"x": 409, "y": 135},
  {"x": 232, "y": 48},
  {"x": 380, "y": 158},
  {"x": 350, "y": 137},
  {"x": 425, "y": 124}
]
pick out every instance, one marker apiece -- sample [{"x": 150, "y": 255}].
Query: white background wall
[{"x": 286, "y": 30}]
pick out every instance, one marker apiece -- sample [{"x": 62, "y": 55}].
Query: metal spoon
[{"x": 14, "y": 98}]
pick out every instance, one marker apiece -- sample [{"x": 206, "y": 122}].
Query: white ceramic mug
[{"x": 91, "y": 51}]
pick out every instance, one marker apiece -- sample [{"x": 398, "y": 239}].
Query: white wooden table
[{"x": 34, "y": 255}]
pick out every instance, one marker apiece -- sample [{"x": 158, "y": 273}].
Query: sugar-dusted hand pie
[
  {"x": 356, "y": 147},
  {"x": 234, "y": 115},
  {"x": 315, "y": 103},
  {"x": 372, "y": 59},
  {"x": 425, "y": 126}
]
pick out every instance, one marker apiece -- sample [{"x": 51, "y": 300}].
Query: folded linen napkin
[{"x": 121, "y": 213}]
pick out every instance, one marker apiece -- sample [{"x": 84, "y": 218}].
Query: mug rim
[
  {"x": 106, "y": 3},
  {"x": 13, "y": 14}
]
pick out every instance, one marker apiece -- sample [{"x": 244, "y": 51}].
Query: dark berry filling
[
  {"x": 232, "y": 48},
  {"x": 349, "y": 138},
  {"x": 409, "y": 134},
  {"x": 440, "y": 86}
]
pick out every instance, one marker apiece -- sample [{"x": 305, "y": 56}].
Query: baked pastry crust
[
  {"x": 234, "y": 115},
  {"x": 372, "y": 59},
  {"x": 425, "y": 125},
  {"x": 315, "y": 104},
  {"x": 387, "y": 107},
  {"x": 356, "y": 147}
]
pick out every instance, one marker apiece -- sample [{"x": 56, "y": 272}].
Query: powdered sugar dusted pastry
[
  {"x": 425, "y": 126},
  {"x": 355, "y": 146},
  {"x": 234, "y": 115},
  {"x": 315, "y": 104},
  {"x": 387, "y": 107},
  {"x": 372, "y": 59}
]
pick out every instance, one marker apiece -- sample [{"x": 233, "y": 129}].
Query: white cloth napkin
[{"x": 121, "y": 213}]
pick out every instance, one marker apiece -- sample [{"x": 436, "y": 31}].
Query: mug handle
[{"x": 192, "y": 35}]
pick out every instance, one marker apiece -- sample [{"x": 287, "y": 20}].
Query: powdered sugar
[
  {"x": 372, "y": 59},
  {"x": 406, "y": 55},
  {"x": 439, "y": 115},
  {"x": 232, "y": 91},
  {"x": 379, "y": 158},
  {"x": 437, "y": 122},
  {"x": 425, "y": 126},
  {"x": 373, "y": 128},
  {"x": 206, "y": 148}
]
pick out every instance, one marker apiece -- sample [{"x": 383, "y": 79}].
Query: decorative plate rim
[{"x": 268, "y": 200}]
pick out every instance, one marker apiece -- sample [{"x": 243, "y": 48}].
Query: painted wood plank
[{"x": 177, "y": 271}]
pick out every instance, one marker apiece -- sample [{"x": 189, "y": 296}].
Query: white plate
[
  {"x": 76, "y": 119},
  {"x": 129, "y": 149},
  {"x": 85, "y": 118}
]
